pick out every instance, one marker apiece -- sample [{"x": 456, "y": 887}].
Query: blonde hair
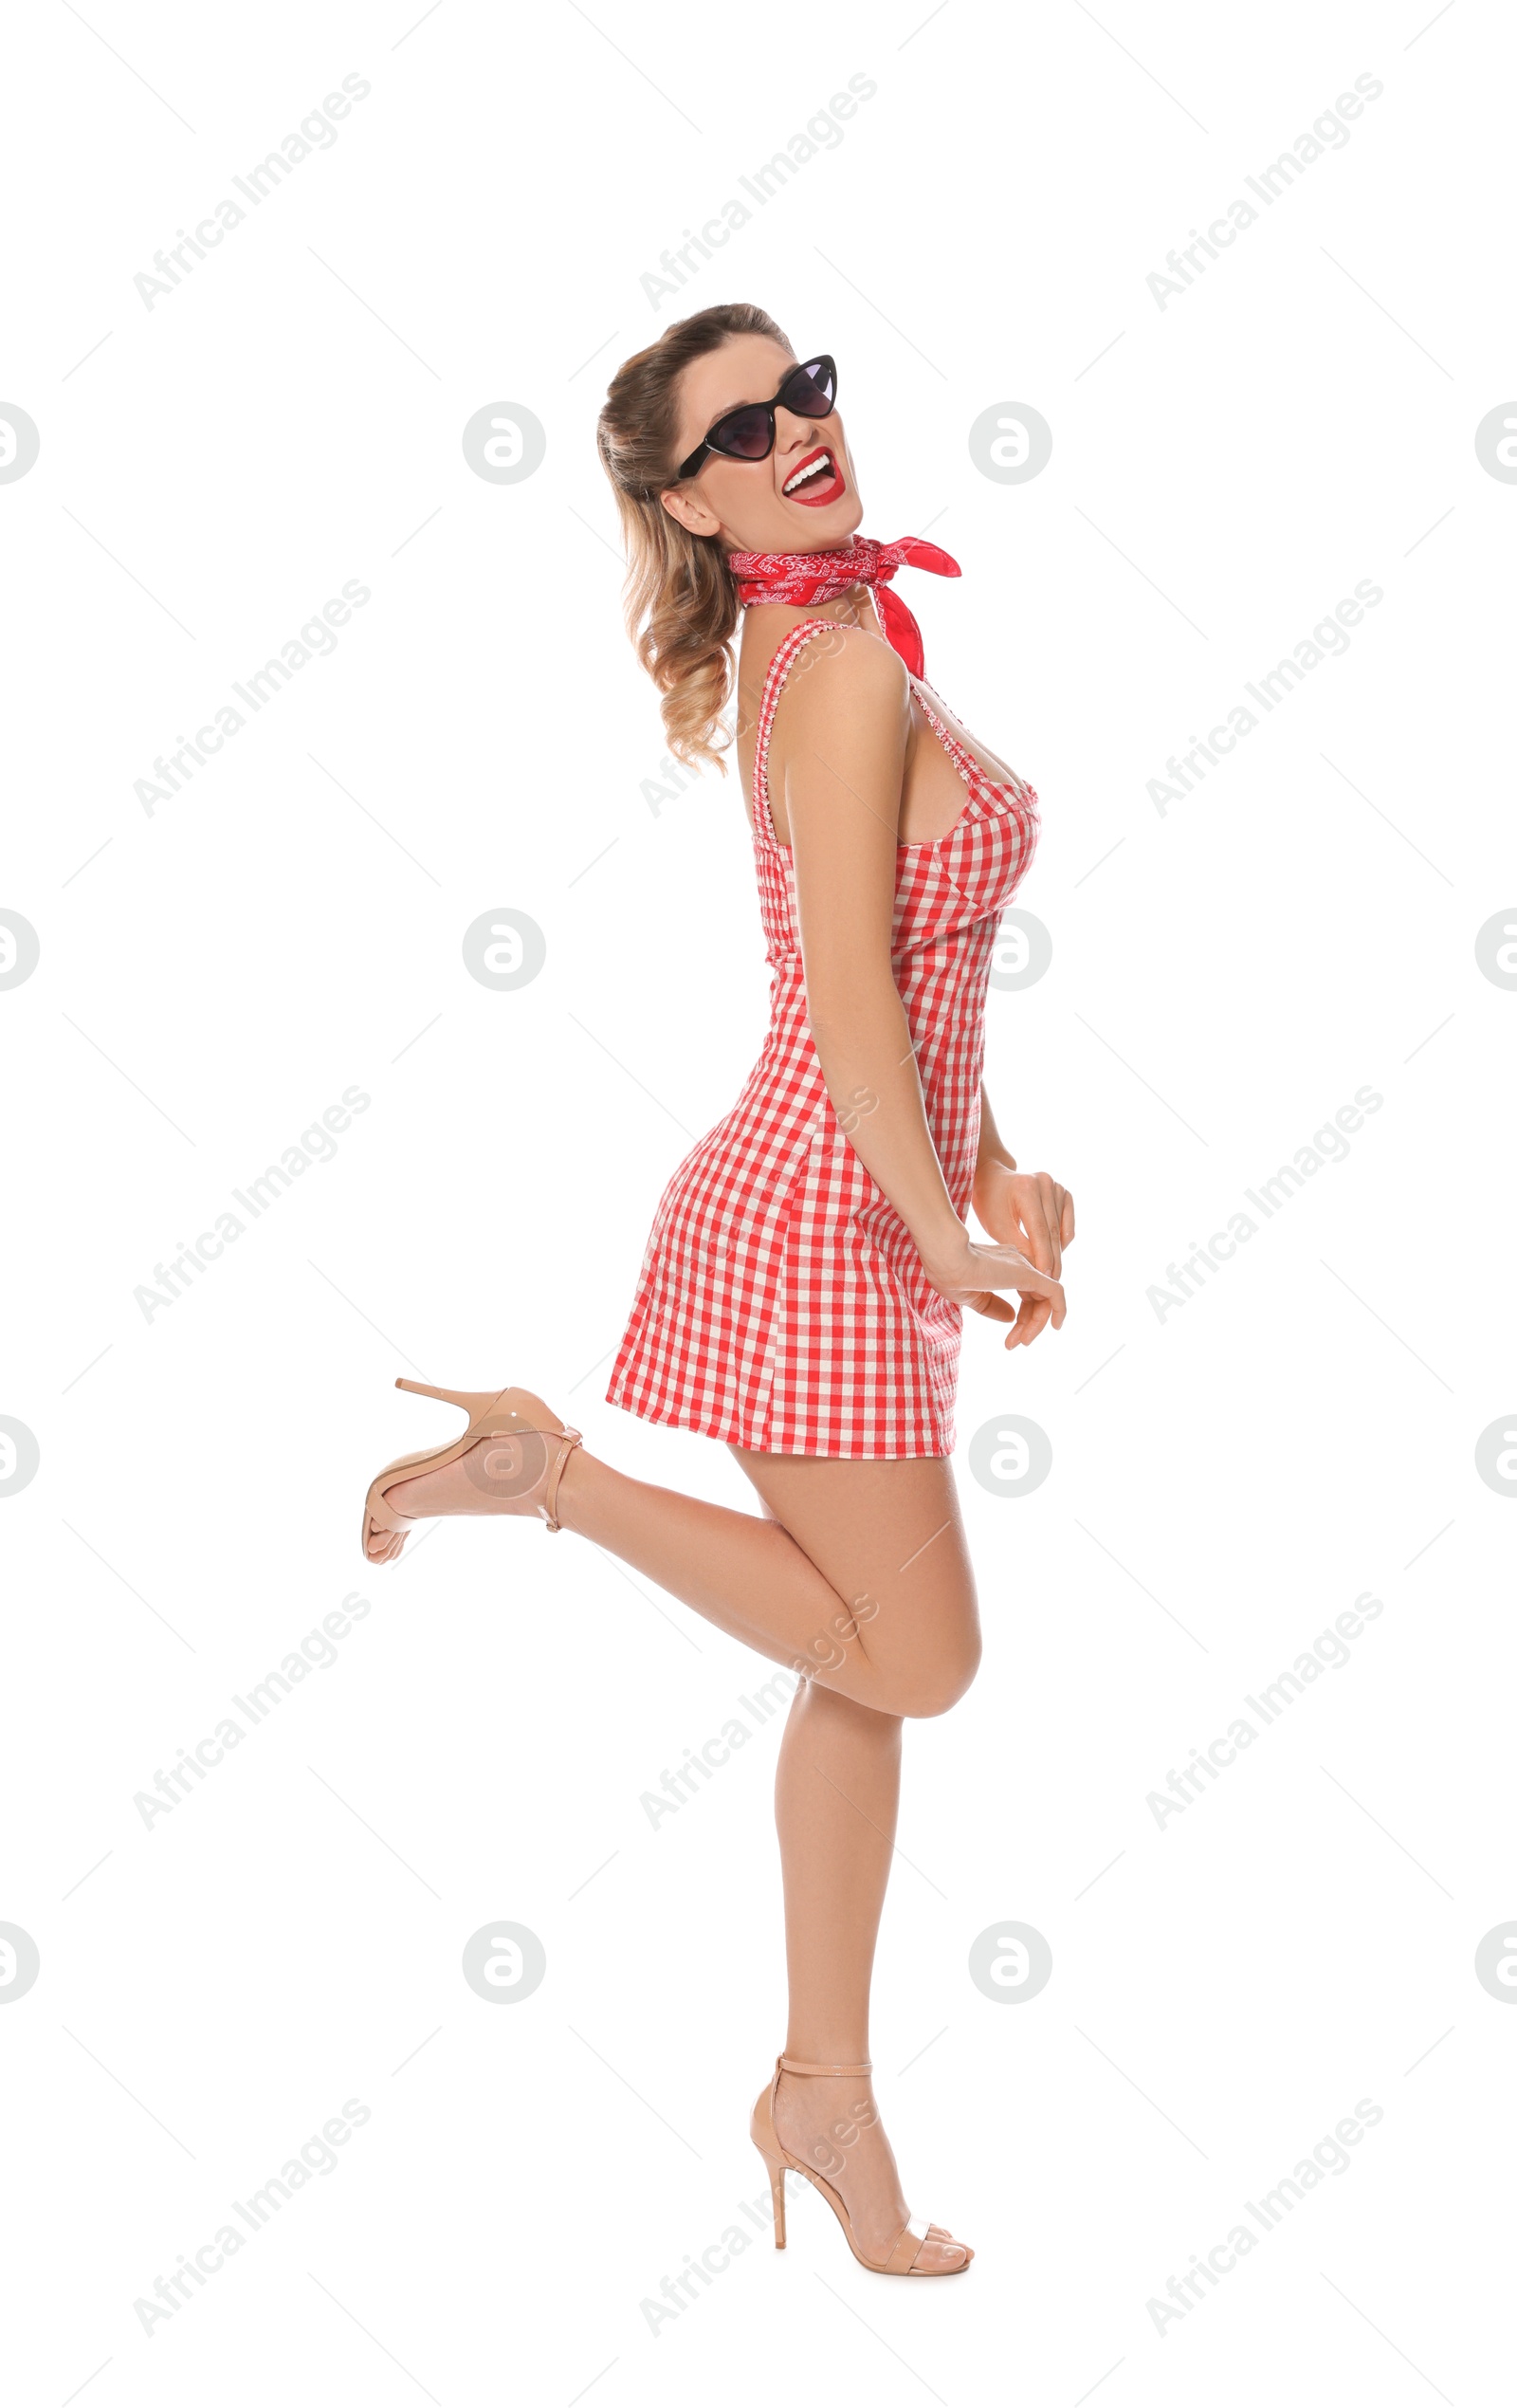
[{"x": 681, "y": 597}]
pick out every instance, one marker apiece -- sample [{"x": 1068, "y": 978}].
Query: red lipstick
[{"x": 815, "y": 490}]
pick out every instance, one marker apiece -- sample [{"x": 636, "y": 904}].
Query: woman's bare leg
[
  {"x": 888, "y": 1618},
  {"x": 837, "y": 1788},
  {"x": 858, "y": 1573}
]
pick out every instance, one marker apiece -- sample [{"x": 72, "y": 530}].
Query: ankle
[
  {"x": 571, "y": 1484},
  {"x": 836, "y": 2105},
  {"x": 811, "y": 2051}
]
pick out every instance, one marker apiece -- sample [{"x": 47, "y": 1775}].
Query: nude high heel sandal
[
  {"x": 506, "y": 1413},
  {"x": 901, "y": 2258}
]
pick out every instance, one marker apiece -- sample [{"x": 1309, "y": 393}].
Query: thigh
[{"x": 888, "y": 1537}]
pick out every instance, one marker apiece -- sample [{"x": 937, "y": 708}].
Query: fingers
[
  {"x": 1032, "y": 1318},
  {"x": 1040, "y": 1293},
  {"x": 1019, "y": 1273},
  {"x": 1046, "y": 1213},
  {"x": 1050, "y": 1198},
  {"x": 1043, "y": 1309},
  {"x": 1029, "y": 1319},
  {"x": 1032, "y": 1211},
  {"x": 1047, "y": 1217},
  {"x": 994, "y": 1307}
]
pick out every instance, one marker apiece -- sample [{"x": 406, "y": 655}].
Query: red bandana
[{"x": 820, "y": 577}]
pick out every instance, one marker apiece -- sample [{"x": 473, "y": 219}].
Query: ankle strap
[
  {"x": 797, "y": 2064},
  {"x": 569, "y": 1439}
]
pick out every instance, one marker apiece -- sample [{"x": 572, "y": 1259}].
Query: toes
[
  {"x": 942, "y": 2254},
  {"x": 949, "y": 2255}
]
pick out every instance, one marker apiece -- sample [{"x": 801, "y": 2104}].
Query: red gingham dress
[{"x": 781, "y": 1303}]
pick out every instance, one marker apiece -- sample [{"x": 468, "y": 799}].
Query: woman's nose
[{"x": 792, "y": 432}]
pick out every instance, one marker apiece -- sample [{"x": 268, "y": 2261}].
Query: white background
[{"x": 1226, "y": 1479}]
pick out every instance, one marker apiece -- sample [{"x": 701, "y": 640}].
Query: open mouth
[{"x": 817, "y": 480}]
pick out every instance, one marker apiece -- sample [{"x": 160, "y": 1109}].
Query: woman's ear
[{"x": 694, "y": 515}]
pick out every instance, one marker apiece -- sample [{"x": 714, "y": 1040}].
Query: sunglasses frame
[{"x": 697, "y": 460}]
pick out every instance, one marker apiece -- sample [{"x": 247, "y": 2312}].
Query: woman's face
[{"x": 747, "y": 502}]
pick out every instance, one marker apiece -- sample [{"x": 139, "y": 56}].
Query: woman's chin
[{"x": 808, "y": 530}]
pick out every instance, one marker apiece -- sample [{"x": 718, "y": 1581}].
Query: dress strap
[
  {"x": 786, "y": 652},
  {"x": 963, "y": 759},
  {"x": 980, "y": 780}
]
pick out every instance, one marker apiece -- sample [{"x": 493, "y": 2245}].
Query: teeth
[{"x": 803, "y": 476}]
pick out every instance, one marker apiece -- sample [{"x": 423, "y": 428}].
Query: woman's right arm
[{"x": 847, "y": 722}]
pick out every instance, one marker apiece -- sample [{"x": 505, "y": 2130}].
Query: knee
[{"x": 940, "y": 1684}]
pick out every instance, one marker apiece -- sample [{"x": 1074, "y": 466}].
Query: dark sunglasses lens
[
  {"x": 811, "y": 389},
  {"x": 746, "y": 434}
]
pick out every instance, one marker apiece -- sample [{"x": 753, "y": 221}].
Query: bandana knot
[{"x": 820, "y": 577}]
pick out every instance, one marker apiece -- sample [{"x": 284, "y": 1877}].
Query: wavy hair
[{"x": 681, "y": 597}]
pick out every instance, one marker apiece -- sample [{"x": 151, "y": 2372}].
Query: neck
[{"x": 767, "y": 623}]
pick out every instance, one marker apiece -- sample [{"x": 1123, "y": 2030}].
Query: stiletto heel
[
  {"x": 512, "y": 1413},
  {"x": 905, "y": 2251},
  {"x": 777, "y": 2193},
  {"x": 473, "y": 1401}
]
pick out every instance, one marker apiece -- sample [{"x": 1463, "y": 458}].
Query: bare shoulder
[
  {"x": 846, "y": 733},
  {"x": 848, "y": 673}
]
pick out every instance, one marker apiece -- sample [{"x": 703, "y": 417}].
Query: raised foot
[
  {"x": 500, "y": 1475},
  {"x": 832, "y": 2124}
]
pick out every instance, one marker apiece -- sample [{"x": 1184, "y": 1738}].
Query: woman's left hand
[{"x": 1029, "y": 1210}]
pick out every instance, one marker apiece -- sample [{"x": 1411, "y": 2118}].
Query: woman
[{"x": 801, "y": 1291}]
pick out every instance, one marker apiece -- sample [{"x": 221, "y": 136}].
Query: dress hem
[{"x": 734, "y": 1436}]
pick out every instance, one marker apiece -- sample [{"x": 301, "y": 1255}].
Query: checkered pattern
[{"x": 782, "y": 1304}]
